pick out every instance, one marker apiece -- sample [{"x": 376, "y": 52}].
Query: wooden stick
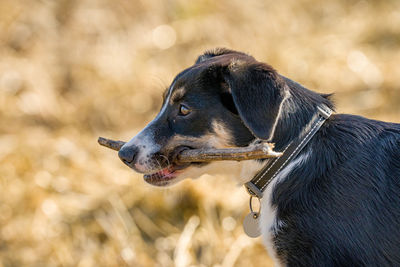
[
  {"x": 255, "y": 151},
  {"x": 114, "y": 145}
]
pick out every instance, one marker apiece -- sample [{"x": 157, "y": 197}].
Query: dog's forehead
[
  {"x": 192, "y": 77},
  {"x": 183, "y": 83}
]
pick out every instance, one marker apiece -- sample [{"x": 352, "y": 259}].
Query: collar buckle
[
  {"x": 325, "y": 113},
  {"x": 262, "y": 179},
  {"x": 253, "y": 190}
]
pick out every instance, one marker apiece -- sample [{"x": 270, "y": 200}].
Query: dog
[{"x": 335, "y": 203}]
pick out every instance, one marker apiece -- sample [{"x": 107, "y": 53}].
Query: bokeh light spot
[
  {"x": 228, "y": 223},
  {"x": 164, "y": 36}
]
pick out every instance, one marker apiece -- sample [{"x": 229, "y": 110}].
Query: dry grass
[{"x": 73, "y": 70}]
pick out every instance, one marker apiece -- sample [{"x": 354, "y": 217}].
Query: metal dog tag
[{"x": 251, "y": 224}]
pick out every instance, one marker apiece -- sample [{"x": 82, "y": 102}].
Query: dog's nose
[{"x": 127, "y": 153}]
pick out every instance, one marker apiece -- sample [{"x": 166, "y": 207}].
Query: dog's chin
[{"x": 167, "y": 176}]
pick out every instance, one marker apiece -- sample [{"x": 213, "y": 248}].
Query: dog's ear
[{"x": 258, "y": 92}]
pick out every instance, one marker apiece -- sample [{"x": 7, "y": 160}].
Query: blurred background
[{"x": 73, "y": 70}]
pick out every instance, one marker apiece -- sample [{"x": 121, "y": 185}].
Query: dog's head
[{"x": 226, "y": 99}]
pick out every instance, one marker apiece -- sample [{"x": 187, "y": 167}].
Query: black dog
[{"x": 335, "y": 203}]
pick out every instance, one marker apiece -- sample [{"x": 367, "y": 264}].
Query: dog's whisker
[{"x": 166, "y": 158}]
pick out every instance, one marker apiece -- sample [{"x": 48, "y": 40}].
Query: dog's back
[{"x": 343, "y": 207}]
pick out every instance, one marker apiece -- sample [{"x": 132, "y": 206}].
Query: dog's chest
[{"x": 270, "y": 224}]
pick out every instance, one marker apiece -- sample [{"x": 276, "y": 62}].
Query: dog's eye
[{"x": 184, "y": 110}]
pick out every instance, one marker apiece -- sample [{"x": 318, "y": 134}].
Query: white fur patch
[
  {"x": 144, "y": 141},
  {"x": 287, "y": 95},
  {"x": 269, "y": 223},
  {"x": 166, "y": 102},
  {"x": 242, "y": 171}
]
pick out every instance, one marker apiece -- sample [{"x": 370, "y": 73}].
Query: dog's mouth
[{"x": 164, "y": 176}]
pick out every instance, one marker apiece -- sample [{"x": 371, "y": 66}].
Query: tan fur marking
[
  {"x": 222, "y": 133},
  {"x": 208, "y": 140},
  {"x": 236, "y": 64},
  {"x": 220, "y": 138},
  {"x": 177, "y": 94}
]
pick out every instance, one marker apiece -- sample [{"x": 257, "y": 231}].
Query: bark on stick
[{"x": 254, "y": 151}]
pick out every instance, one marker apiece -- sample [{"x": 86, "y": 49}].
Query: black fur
[{"x": 253, "y": 85}]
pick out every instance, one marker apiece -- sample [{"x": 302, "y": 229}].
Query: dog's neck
[{"x": 296, "y": 112}]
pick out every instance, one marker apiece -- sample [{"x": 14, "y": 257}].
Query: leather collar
[{"x": 264, "y": 177}]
